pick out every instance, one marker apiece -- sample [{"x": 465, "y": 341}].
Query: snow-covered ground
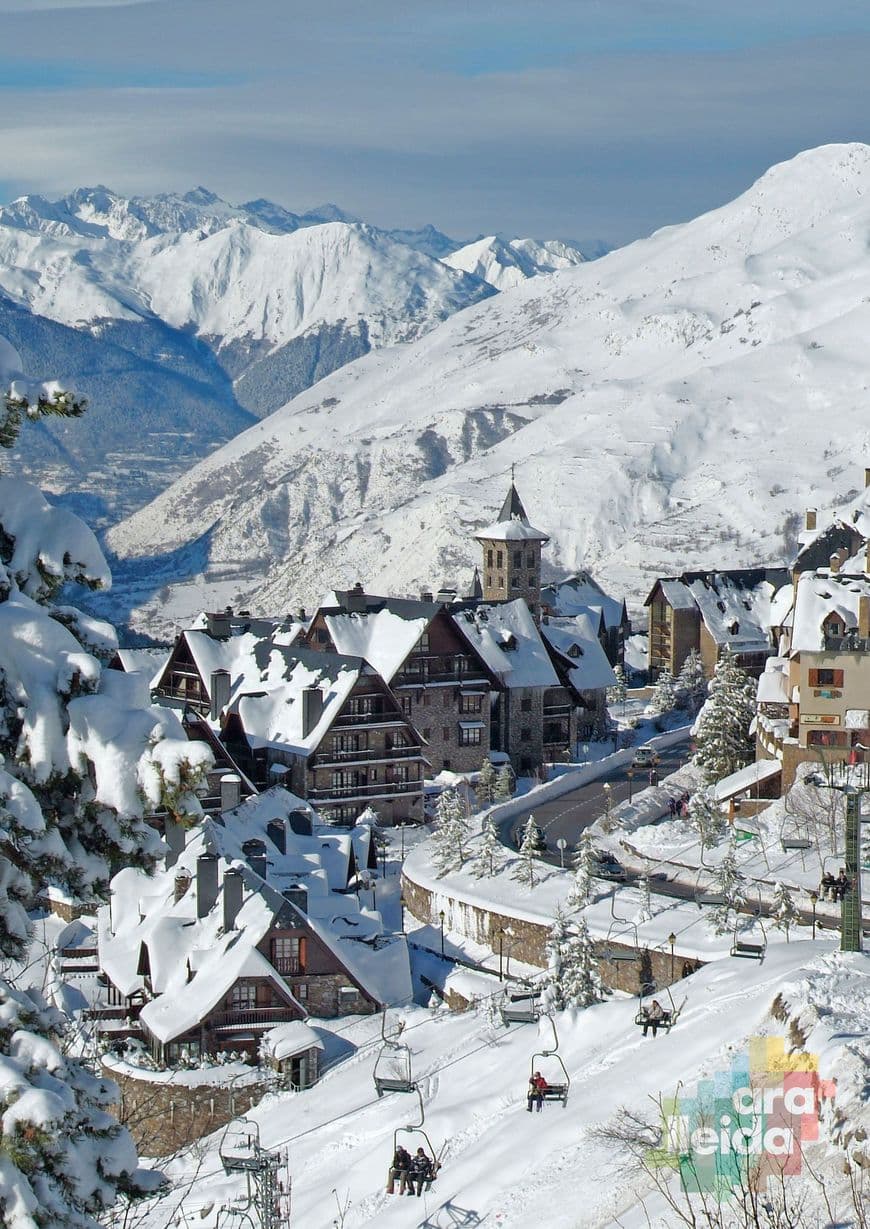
[{"x": 504, "y": 1167}]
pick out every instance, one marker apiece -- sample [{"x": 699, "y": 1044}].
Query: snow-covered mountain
[
  {"x": 214, "y": 314},
  {"x": 675, "y": 403},
  {"x": 507, "y": 262}
]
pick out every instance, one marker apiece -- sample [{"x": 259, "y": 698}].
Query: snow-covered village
[{"x": 434, "y": 670}]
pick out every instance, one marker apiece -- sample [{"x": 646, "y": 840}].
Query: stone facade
[
  {"x": 163, "y": 1116},
  {"x": 519, "y": 939},
  {"x": 511, "y": 570},
  {"x": 520, "y": 718}
]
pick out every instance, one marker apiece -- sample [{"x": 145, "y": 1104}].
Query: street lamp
[
  {"x": 510, "y": 935},
  {"x": 672, "y": 938},
  {"x": 814, "y": 900},
  {"x": 608, "y": 800},
  {"x": 629, "y": 772},
  {"x": 441, "y": 916}
]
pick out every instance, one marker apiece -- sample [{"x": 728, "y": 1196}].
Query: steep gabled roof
[
  {"x": 579, "y": 593},
  {"x": 507, "y": 638},
  {"x": 579, "y": 650},
  {"x": 513, "y": 524}
]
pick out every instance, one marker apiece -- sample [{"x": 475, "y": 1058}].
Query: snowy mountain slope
[
  {"x": 504, "y": 1166},
  {"x": 673, "y": 404},
  {"x": 507, "y": 262}
]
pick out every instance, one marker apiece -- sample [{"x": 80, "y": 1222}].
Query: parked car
[
  {"x": 609, "y": 867},
  {"x": 646, "y": 757}
]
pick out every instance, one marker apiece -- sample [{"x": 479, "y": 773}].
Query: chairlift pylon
[{"x": 266, "y": 1172}]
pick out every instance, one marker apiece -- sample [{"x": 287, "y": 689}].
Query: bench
[
  {"x": 795, "y": 842},
  {"x": 383, "y": 1085},
  {"x": 519, "y": 1013},
  {"x": 556, "y": 1092},
  {"x": 752, "y": 951}
]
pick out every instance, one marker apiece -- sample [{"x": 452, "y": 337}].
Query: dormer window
[
  {"x": 575, "y": 651},
  {"x": 734, "y": 627}
]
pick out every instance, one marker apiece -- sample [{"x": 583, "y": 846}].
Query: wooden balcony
[
  {"x": 287, "y": 966},
  {"x": 368, "y": 755},
  {"x": 251, "y": 1017}
]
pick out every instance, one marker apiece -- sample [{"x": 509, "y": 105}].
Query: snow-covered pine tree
[
  {"x": 527, "y": 865},
  {"x": 691, "y": 683},
  {"x": 553, "y": 995},
  {"x": 581, "y": 982},
  {"x": 664, "y": 697},
  {"x": 722, "y": 740},
  {"x": 784, "y": 910},
  {"x": 706, "y": 817},
  {"x": 489, "y": 851},
  {"x": 451, "y": 831},
  {"x": 618, "y": 693},
  {"x": 485, "y": 788},
  {"x": 504, "y": 784},
  {"x": 584, "y": 871},
  {"x": 729, "y": 885},
  {"x": 644, "y": 913}
]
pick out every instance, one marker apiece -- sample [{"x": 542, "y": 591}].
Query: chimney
[
  {"x": 276, "y": 831},
  {"x": 173, "y": 835},
  {"x": 220, "y": 692},
  {"x": 866, "y": 478},
  {"x": 218, "y": 625},
  {"x": 300, "y": 823},
  {"x": 356, "y": 599},
  {"x": 298, "y": 896},
  {"x": 182, "y": 883},
  {"x": 231, "y": 790},
  {"x": 810, "y": 518},
  {"x": 206, "y": 883},
  {"x": 835, "y": 563},
  {"x": 312, "y": 709},
  {"x": 233, "y": 883},
  {"x": 301, "y": 616},
  {"x": 867, "y": 558},
  {"x": 255, "y": 854},
  {"x": 864, "y": 617},
  {"x": 425, "y": 596}
]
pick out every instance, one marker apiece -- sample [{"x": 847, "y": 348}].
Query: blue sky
[{"x": 571, "y": 118}]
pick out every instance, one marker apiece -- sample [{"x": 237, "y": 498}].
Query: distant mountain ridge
[
  {"x": 254, "y": 302},
  {"x": 674, "y": 404}
]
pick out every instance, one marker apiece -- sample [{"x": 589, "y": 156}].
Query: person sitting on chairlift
[
  {"x": 828, "y": 887},
  {"x": 537, "y": 1088},
  {"x": 653, "y": 1016},
  {"x": 422, "y": 1172},
  {"x": 841, "y": 885},
  {"x": 400, "y": 1169}
]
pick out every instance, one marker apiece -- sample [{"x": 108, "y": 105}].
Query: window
[
  {"x": 243, "y": 996},
  {"x": 526, "y": 705},
  {"x": 489, "y": 558},
  {"x": 427, "y": 699},
  {"x": 518, "y": 558},
  {"x": 526, "y": 733},
  {"x": 470, "y": 737},
  {"x": 827, "y": 738},
  {"x": 322, "y": 635},
  {"x": 423, "y": 643},
  {"x": 532, "y": 582},
  {"x": 406, "y": 703},
  {"x": 499, "y": 556},
  {"x": 501, "y": 582},
  {"x": 530, "y": 559},
  {"x": 515, "y": 582},
  {"x": 445, "y": 733},
  {"x": 347, "y": 743},
  {"x": 489, "y": 577},
  {"x": 301, "y": 991},
  {"x": 470, "y": 704},
  {"x": 287, "y": 954},
  {"x": 826, "y": 678}
]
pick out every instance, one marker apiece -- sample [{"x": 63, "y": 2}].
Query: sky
[{"x": 552, "y": 118}]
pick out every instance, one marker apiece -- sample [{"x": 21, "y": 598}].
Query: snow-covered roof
[
  {"x": 271, "y": 710},
  {"x": 773, "y": 682},
  {"x": 508, "y": 640},
  {"x": 149, "y": 662},
  {"x": 513, "y": 524},
  {"x": 285, "y": 1040},
  {"x": 818, "y": 595},
  {"x": 676, "y": 593},
  {"x": 735, "y": 614},
  {"x": 580, "y": 649},
  {"x": 384, "y": 637},
  {"x": 746, "y": 778},
  {"x": 580, "y": 593},
  {"x": 250, "y": 657}
]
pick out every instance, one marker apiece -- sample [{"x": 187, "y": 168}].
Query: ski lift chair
[
  {"x": 520, "y": 1005},
  {"x": 615, "y": 955},
  {"x": 707, "y": 895},
  {"x": 557, "y": 1089},
  {"x": 239, "y": 1146},
  {"x": 392, "y": 1071},
  {"x": 669, "y": 1018},
  {"x": 790, "y": 843},
  {"x": 418, "y": 1129},
  {"x": 750, "y": 949}
]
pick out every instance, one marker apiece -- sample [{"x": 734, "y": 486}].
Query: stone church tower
[{"x": 512, "y": 556}]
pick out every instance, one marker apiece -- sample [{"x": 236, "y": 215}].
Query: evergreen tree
[
  {"x": 557, "y": 952},
  {"x": 581, "y": 982},
  {"x": 729, "y": 885},
  {"x": 504, "y": 784},
  {"x": 706, "y": 817},
  {"x": 784, "y": 910},
  {"x": 664, "y": 697},
  {"x": 489, "y": 850},
  {"x": 451, "y": 832},
  {"x": 618, "y": 693},
  {"x": 691, "y": 683},
  {"x": 485, "y": 789},
  {"x": 644, "y": 914},
  {"x": 527, "y": 866},
  {"x": 585, "y": 866},
  {"x": 722, "y": 739}
]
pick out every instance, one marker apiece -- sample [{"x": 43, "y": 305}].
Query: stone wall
[
  {"x": 528, "y": 942},
  {"x": 165, "y": 1116},
  {"x": 436, "y": 709}
]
